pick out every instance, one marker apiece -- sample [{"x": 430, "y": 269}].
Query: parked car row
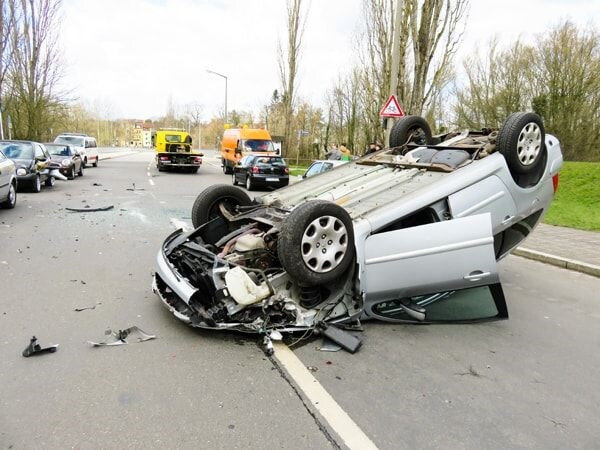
[{"x": 28, "y": 165}]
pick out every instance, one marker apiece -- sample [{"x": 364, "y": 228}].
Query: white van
[{"x": 83, "y": 144}]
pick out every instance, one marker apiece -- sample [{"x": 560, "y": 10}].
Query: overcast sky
[{"x": 127, "y": 57}]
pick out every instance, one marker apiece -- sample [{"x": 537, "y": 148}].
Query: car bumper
[
  {"x": 66, "y": 171},
  {"x": 26, "y": 179},
  {"x": 270, "y": 179},
  {"x": 170, "y": 164}
]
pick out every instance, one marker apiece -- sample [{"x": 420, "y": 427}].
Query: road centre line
[
  {"x": 151, "y": 181},
  {"x": 321, "y": 400}
]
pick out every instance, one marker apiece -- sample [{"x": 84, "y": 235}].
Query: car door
[
  {"x": 40, "y": 159},
  {"x": 431, "y": 260},
  {"x": 5, "y": 176}
]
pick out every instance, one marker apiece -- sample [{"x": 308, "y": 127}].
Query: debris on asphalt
[
  {"x": 96, "y": 184},
  {"x": 36, "y": 349},
  {"x": 329, "y": 346},
  {"x": 134, "y": 188},
  {"x": 122, "y": 337},
  {"x": 312, "y": 368},
  {"x": 341, "y": 337},
  {"x": 83, "y": 308},
  {"x": 88, "y": 209}
]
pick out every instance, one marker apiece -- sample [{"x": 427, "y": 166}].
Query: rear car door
[
  {"x": 5, "y": 176},
  {"x": 429, "y": 261}
]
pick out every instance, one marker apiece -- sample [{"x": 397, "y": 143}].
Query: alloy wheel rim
[
  {"x": 248, "y": 182},
  {"x": 38, "y": 183},
  {"x": 529, "y": 143},
  {"x": 12, "y": 195},
  {"x": 324, "y": 244}
]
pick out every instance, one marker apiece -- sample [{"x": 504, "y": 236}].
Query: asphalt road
[{"x": 527, "y": 382}]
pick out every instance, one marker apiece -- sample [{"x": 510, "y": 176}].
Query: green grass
[
  {"x": 297, "y": 170},
  {"x": 577, "y": 202}
]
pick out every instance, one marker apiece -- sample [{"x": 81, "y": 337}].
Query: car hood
[
  {"x": 22, "y": 162},
  {"x": 59, "y": 158}
]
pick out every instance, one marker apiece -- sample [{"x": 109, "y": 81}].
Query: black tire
[
  {"x": 81, "y": 169},
  {"x": 410, "y": 129},
  {"x": 206, "y": 205},
  {"x": 49, "y": 182},
  {"x": 85, "y": 162},
  {"x": 290, "y": 246},
  {"x": 235, "y": 183},
  {"x": 249, "y": 184},
  {"x": 517, "y": 143},
  {"x": 227, "y": 170},
  {"x": 95, "y": 163},
  {"x": 73, "y": 173},
  {"x": 11, "y": 200},
  {"x": 36, "y": 184}
]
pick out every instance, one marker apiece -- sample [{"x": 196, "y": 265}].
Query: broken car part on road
[
  {"x": 102, "y": 208},
  {"x": 122, "y": 337},
  {"x": 35, "y": 349},
  {"x": 407, "y": 234}
]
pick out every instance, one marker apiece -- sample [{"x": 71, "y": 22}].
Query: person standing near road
[
  {"x": 345, "y": 152},
  {"x": 370, "y": 149},
  {"x": 334, "y": 153}
]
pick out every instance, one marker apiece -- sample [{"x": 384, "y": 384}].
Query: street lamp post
[{"x": 225, "y": 77}]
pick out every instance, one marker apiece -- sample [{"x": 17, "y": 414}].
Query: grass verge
[{"x": 577, "y": 201}]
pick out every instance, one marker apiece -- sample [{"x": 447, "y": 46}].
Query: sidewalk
[{"x": 565, "y": 247}]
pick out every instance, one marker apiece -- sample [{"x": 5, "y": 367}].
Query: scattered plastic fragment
[
  {"x": 346, "y": 340},
  {"x": 329, "y": 346},
  {"x": 35, "y": 349},
  {"x": 103, "y": 208},
  {"x": 83, "y": 308},
  {"x": 121, "y": 337},
  {"x": 96, "y": 184}
]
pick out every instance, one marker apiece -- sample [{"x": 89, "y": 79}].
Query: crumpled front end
[{"x": 233, "y": 283}]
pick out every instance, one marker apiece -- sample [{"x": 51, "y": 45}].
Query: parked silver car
[
  {"x": 411, "y": 233},
  {"x": 8, "y": 182}
]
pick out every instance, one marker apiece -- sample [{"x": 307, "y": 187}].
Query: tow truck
[{"x": 173, "y": 148}]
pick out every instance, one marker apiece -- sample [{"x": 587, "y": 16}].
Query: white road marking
[
  {"x": 335, "y": 416},
  {"x": 180, "y": 224},
  {"x": 151, "y": 181},
  {"x": 148, "y": 173}
]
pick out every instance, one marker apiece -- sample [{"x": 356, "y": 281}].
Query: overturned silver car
[{"x": 411, "y": 233}]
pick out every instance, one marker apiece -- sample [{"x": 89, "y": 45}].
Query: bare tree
[
  {"x": 8, "y": 17},
  {"x": 35, "y": 70},
  {"x": 288, "y": 63}
]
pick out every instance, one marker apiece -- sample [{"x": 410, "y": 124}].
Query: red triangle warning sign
[{"x": 391, "y": 108}]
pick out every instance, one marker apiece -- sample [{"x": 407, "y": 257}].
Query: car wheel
[
  {"x": 521, "y": 142},
  {"x": 11, "y": 200},
  {"x": 233, "y": 179},
  {"x": 85, "y": 162},
  {"x": 49, "y": 181},
  {"x": 226, "y": 169},
  {"x": 95, "y": 163},
  {"x": 316, "y": 242},
  {"x": 207, "y": 204},
  {"x": 81, "y": 169},
  {"x": 249, "y": 184},
  {"x": 36, "y": 184},
  {"x": 410, "y": 129},
  {"x": 73, "y": 173}
]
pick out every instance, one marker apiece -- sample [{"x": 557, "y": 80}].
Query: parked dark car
[
  {"x": 8, "y": 183},
  {"x": 32, "y": 161},
  {"x": 263, "y": 170},
  {"x": 69, "y": 159}
]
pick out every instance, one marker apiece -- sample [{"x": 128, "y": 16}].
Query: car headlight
[
  {"x": 21, "y": 171},
  {"x": 66, "y": 162}
]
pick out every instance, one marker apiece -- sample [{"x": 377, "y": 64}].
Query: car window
[
  {"x": 17, "y": 150},
  {"x": 58, "y": 150},
  {"x": 258, "y": 145},
  {"x": 477, "y": 303},
  {"x": 314, "y": 169},
  {"x": 76, "y": 141},
  {"x": 327, "y": 166},
  {"x": 39, "y": 152}
]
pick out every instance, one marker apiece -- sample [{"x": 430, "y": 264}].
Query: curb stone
[{"x": 559, "y": 261}]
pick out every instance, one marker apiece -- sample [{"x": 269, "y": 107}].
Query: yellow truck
[{"x": 173, "y": 148}]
